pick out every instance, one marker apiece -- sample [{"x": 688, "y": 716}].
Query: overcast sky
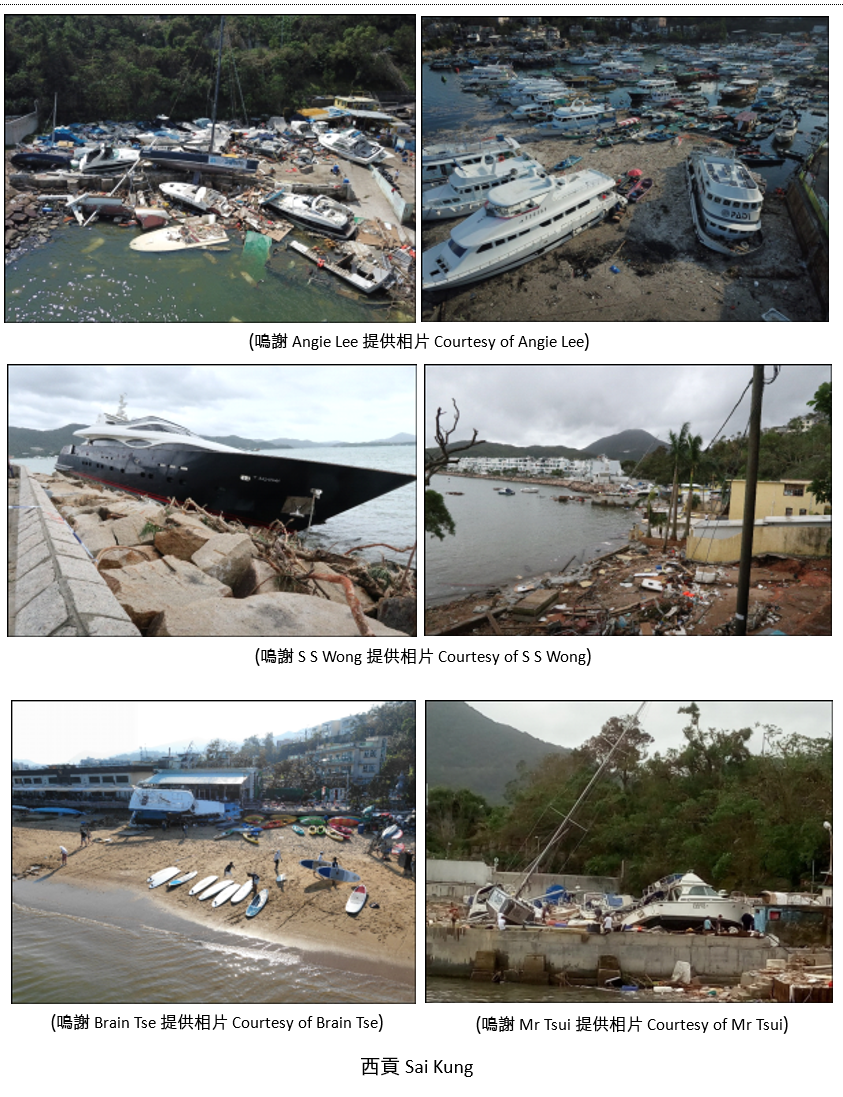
[
  {"x": 50, "y": 732},
  {"x": 570, "y": 723},
  {"x": 576, "y": 405},
  {"x": 319, "y": 403}
]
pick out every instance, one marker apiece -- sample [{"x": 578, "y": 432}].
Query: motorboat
[
  {"x": 725, "y": 203},
  {"x": 108, "y": 160},
  {"x": 467, "y": 188},
  {"x": 521, "y": 221},
  {"x": 204, "y": 199},
  {"x": 683, "y": 901},
  {"x": 786, "y": 129},
  {"x": 196, "y": 160},
  {"x": 506, "y": 491},
  {"x": 578, "y": 115},
  {"x": 193, "y": 232},
  {"x": 153, "y": 457},
  {"x": 440, "y": 160},
  {"x": 41, "y": 159},
  {"x": 352, "y": 145},
  {"x": 318, "y": 213}
]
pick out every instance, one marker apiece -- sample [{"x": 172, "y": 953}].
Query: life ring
[{"x": 320, "y": 263}]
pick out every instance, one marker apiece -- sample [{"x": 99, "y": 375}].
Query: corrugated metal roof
[{"x": 198, "y": 777}]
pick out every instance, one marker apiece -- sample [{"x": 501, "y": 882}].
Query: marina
[{"x": 648, "y": 116}]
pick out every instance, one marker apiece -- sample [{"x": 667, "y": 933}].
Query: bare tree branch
[{"x": 434, "y": 463}]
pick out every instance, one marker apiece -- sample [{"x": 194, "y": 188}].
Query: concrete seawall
[
  {"x": 640, "y": 955},
  {"x": 54, "y": 586}
]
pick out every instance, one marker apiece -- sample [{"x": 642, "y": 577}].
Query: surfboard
[
  {"x": 225, "y": 895},
  {"x": 214, "y": 889},
  {"x": 206, "y": 883},
  {"x": 241, "y": 892},
  {"x": 311, "y": 864},
  {"x": 159, "y": 878},
  {"x": 182, "y": 879},
  {"x": 340, "y": 874},
  {"x": 251, "y": 838},
  {"x": 391, "y": 832},
  {"x": 357, "y": 900},
  {"x": 258, "y": 903}
]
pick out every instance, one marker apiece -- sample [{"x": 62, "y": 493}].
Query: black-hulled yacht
[{"x": 155, "y": 458}]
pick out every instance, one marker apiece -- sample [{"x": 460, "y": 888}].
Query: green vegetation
[
  {"x": 138, "y": 66},
  {"x": 740, "y": 820}
]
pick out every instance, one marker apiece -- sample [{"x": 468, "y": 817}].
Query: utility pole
[{"x": 742, "y": 606}]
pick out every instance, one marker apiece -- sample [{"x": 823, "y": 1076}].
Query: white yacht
[
  {"x": 521, "y": 220},
  {"x": 107, "y": 160},
  {"x": 204, "y": 199},
  {"x": 315, "y": 212},
  {"x": 352, "y": 145},
  {"x": 578, "y": 115},
  {"x": 440, "y": 160},
  {"x": 725, "y": 203},
  {"x": 654, "y": 85},
  {"x": 786, "y": 129},
  {"x": 468, "y": 188},
  {"x": 684, "y": 901}
]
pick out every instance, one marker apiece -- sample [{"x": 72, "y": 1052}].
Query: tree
[
  {"x": 677, "y": 451},
  {"x": 437, "y": 517},
  {"x": 821, "y": 483},
  {"x": 628, "y": 756},
  {"x": 693, "y": 452}
]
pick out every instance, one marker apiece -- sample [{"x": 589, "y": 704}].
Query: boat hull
[
  {"x": 205, "y": 162},
  {"x": 255, "y": 489}
]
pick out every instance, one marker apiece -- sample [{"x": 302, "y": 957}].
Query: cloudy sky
[
  {"x": 49, "y": 732},
  {"x": 319, "y": 403},
  {"x": 576, "y": 405},
  {"x": 570, "y": 723}
]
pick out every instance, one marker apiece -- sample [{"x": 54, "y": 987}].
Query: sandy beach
[
  {"x": 664, "y": 273},
  {"x": 306, "y": 913}
]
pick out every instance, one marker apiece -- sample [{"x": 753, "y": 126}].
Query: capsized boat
[
  {"x": 521, "y": 221},
  {"x": 319, "y": 213},
  {"x": 156, "y": 458},
  {"x": 725, "y": 203},
  {"x": 683, "y": 901},
  {"x": 194, "y": 232}
]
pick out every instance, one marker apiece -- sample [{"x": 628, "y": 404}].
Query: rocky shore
[{"x": 180, "y": 571}]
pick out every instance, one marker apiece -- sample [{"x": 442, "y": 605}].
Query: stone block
[
  {"x": 111, "y": 626},
  {"x": 399, "y": 613},
  {"x": 268, "y": 615},
  {"x": 183, "y": 540},
  {"x": 43, "y": 615},
  {"x": 32, "y": 558},
  {"x": 124, "y": 556},
  {"x": 130, "y": 530},
  {"x": 146, "y": 590},
  {"x": 259, "y": 578},
  {"x": 226, "y": 557},
  {"x": 35, "y": 580}
]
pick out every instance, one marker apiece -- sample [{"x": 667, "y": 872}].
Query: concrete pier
[
  {"x": 640, "y": 955},
  {"x": 54, "y": 586}
]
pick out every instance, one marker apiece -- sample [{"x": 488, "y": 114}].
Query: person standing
[
  {"x": 501, "y": 921},
  {"x": 607, "y": 923},
  {"x": 184, "y": 829},
  {"x": 255, "y": 880},
  {"x": 228, "y": 868},
  {"x": 63, "y": 855},
  {"x": 277, "y": 860}
]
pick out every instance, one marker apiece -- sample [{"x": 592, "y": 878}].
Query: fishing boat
[
  {"x": 205, "y": 199},
  {"x": 156, "y": 458},
  {"x": 521, "y": 221},
  {"x": 194, "y": 232},
  {"x": 468, "y": 187},
  {"x": 318, "y": 213},
  {"x": 353, "y": 145},
  {"x": 725, "y": 203}
]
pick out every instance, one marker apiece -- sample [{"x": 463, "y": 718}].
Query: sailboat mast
[
  {"x": 217, "y": 87},
  {"x": 560, "y": 830}
]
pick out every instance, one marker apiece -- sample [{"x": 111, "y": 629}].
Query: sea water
[
  {"x": 119, "y": 947},
  {"x": 499, "y": 539}
]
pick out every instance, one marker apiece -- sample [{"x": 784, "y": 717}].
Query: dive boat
[
  {"x": 725, "y": 203},
  {"x": 352, "y": 145},
  {"x": 315, "y": 212},
  {"x": 202, "y": 198},
  {"x": 683, "y": 901},
  {"x": 521, "y": 220},
  {"x": 441, "y": 160},
  {"x": 467, "y": 188},
  {"x": 159, "y": 459}
]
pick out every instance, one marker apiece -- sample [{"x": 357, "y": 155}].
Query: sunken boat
[{"x": 157, "y": 459}]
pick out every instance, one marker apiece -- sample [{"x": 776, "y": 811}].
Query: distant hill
[
  {"x": 468, "y": 750},
  {"x": 25, "y": 442},
  {"x": 629, "y": 445},
  {"x": 503, "y": 449}
]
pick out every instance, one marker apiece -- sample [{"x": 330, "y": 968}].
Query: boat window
[
  {"x": 484, "y": 247},
  {"x": 726, "y": 202},
  {"x": 544, "y": 224},
  {"x": 585, "y": 203},
  {"x": 456, "y": 248},
  {"x": 568, "y": 212}
]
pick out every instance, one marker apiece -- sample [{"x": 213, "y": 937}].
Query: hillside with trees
[
  {"x": 127, "y": 67},
  {"x": 740, "y": 820}
]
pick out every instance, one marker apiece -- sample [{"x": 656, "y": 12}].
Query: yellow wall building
[{"x": 776, "y": 499}]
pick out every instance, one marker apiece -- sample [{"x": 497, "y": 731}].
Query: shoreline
[{"x": 304, "y": 915}]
